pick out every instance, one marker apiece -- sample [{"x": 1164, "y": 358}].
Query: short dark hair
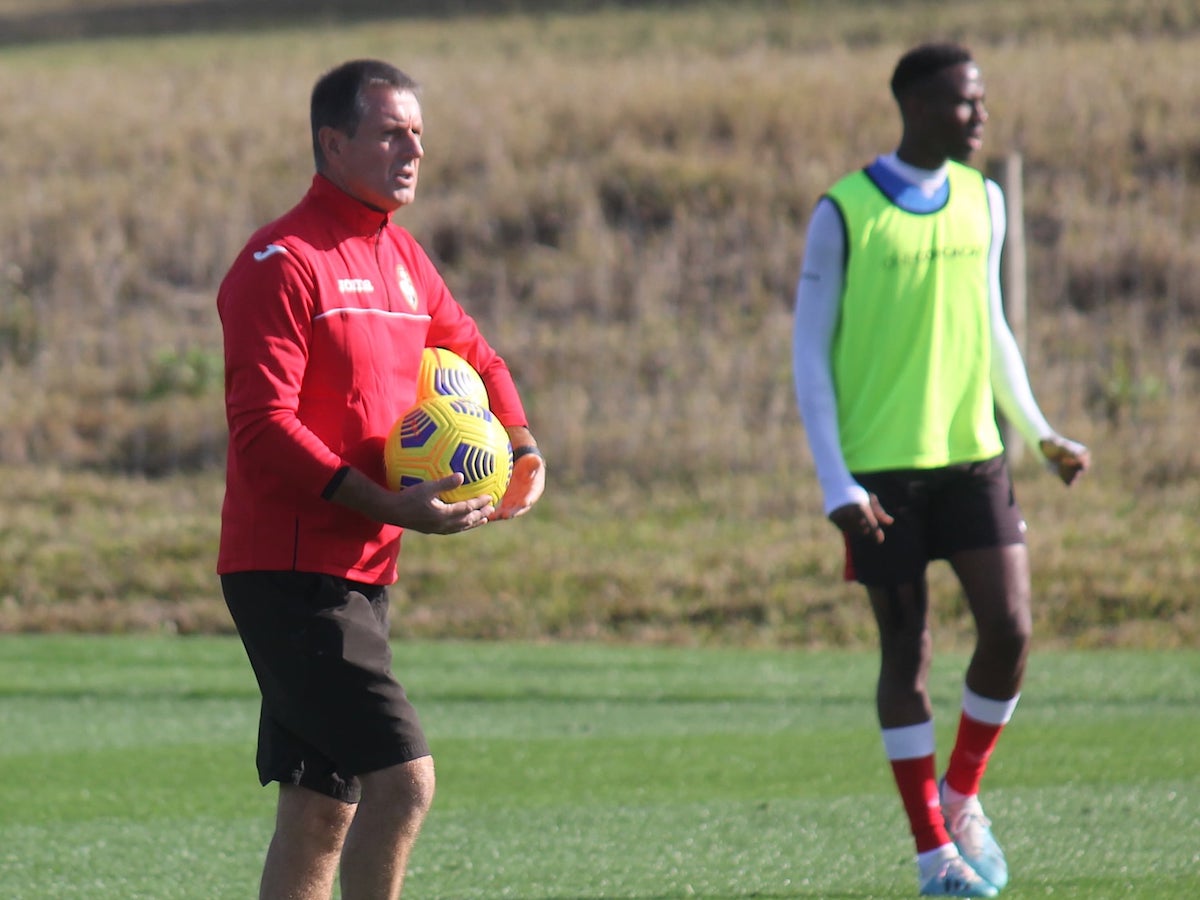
[
  {"x": 928, "y": 59},
  {"x": 338, "y": 99}
]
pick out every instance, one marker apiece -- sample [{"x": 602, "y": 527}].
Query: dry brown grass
[
  {"x": 621, "y": 200},
  {"x": 729, "y": 559}
]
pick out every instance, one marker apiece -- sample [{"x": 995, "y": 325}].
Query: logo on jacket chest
[
  {"x": 355, "y": 286},
  {"x": 407, "y": 289}
]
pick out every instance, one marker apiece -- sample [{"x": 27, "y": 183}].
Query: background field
[
  {"x": 585, "y": 772},
  {"x": 620, "y": 195},
  {"x": 619, "y": 192}
]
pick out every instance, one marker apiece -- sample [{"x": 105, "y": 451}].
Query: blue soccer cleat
[
  {"x": 954, "y": 878},
  {"x": 972, "y": 834}
]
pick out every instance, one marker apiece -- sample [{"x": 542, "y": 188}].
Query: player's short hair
[
  {"x": 923, "y": 61},
  {"x": 339, "y": 101}
]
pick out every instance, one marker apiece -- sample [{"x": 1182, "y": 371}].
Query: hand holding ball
[{"x": 443, "y": 435}]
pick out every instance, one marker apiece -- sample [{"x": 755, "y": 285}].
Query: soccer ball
[
  {"x": 444, "y": 373},
  {"x": 443, "y": 435}
]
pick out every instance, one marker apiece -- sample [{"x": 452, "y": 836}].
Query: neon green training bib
[{"x": 912, "y": 352}]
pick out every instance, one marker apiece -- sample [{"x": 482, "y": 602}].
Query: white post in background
[{"x": 1013, "y": 276}]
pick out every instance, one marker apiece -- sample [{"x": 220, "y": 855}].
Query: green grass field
[{"x": 589, "y": 771}]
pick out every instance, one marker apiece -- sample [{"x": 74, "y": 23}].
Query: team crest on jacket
[{"x": 407, "y": 288}]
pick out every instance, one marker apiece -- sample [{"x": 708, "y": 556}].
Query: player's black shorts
[
  {"x": 331, "y": 708},
  {"x": 938, "y": 512}
]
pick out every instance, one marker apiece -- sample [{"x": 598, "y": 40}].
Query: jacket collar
[{"x": 346, "y": 210}]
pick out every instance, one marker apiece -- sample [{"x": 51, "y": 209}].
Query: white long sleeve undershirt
[{"x": 818, "y": 306}]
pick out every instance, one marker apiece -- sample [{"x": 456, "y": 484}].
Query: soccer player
[
  {"x": 900, "y": 352},
  {"x": 325, "y": 314}
]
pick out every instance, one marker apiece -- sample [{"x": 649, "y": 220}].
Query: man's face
[
  {"x": 954, "y": 112},
  {"x": 379, "y": 164}
]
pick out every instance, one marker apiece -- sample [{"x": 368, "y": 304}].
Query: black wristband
[
  {"x": 526, "y": 450},
  {"x": 335, "y": 482}
]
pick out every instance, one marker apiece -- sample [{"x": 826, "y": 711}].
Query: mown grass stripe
[{"x": 593, "y": 771}]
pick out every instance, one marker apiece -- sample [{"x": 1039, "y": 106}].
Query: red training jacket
[{"x": 325, "y": 314}]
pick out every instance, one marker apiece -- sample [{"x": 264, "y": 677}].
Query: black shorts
[
  {"x": 331, "y": 708},
  {"x": 938, "y": 512}
]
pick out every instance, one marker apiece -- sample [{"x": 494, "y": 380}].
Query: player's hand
[
  {"x": 426, "y": 512},
  {"x": 1066, "y": 459},
  {"x": 417, "y": 508},
  {"x": 524, "y": 488},
  {"x": 862, "y": 519}
]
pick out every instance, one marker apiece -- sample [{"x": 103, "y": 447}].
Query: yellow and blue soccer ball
[
  {"x": 443, "y": 435},
  {"x": 444, "y": 373}
]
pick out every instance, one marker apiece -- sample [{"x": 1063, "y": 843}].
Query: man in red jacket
[{"x": 325, "y": 315}]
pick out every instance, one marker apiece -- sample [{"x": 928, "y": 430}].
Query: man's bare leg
[
  {"x": 310, "y": 829},
  {"x": 393, "y": 806},
  {"x": 996, "y": 582},
  {"x": 905, "y": 652}
]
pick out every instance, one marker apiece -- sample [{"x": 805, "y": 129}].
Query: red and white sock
[
  {"x": 979, "y": 728},
  {"x": 910, "y": 750}
]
